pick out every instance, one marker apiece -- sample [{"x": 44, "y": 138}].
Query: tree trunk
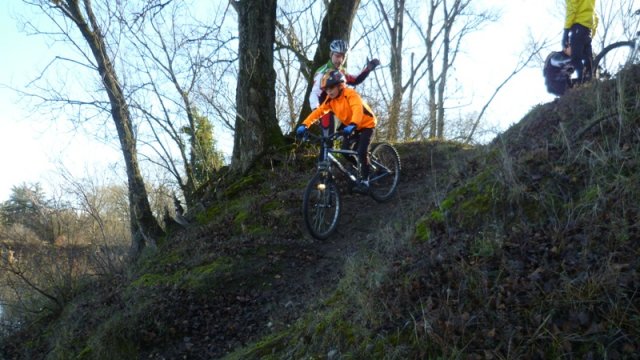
[
  {"x": 256, "y": 128},
  {"x": 431, "y": 76},
  {"x": 144, "y": 226},
  {"x": 336, "y": 24},
  {"x": 408, "y": 118},
  {"x": 395, "y": 27},
  {"x": 449, "y": 20}
]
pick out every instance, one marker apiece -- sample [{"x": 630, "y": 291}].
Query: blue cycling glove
[
  {"x": 348, "y": 130},
  {"x": 301, "y": 130}
]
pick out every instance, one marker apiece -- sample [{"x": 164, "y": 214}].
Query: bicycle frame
[
  {"x": 321, "y": 201},
  {"x": 327, "y": 152}
]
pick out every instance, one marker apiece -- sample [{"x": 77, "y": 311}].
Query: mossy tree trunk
[{"x": 256, "y": 127}]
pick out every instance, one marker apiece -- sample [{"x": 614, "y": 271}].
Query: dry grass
[{"x": 542, "y": 268}]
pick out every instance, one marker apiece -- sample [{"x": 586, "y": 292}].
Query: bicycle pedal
[{"x": 361, "y": 188}]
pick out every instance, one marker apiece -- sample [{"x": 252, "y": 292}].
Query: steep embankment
[
  {"x": 243, "y": 270},
  {"x": 524, "y": 248},
  {"x": 531, "y": 253}
]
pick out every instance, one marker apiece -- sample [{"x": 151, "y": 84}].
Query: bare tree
[
  {"x": 615, "y": 21},
  {"x": 144, "y": 226},
  {"x": 297, "y": 30},
  {"x": 394, "y": 22},
  {"x": 457, "y": 22},
  {"x": 288, "y": 86},
  {"x": 256, "y": 127},
  {"x": 441, "y": 25},
  {"x": 101, "y": 206},
  {"x": 176, "y": 52}
]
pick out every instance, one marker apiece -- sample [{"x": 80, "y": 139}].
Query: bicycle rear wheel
[
  {"x": 321, "y": 205},
  {"x": 613, "y": 58},
  {"x": 385, "y": 175}
]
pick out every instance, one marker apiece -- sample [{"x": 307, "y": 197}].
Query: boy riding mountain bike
[{"x": 357, "y": 118}]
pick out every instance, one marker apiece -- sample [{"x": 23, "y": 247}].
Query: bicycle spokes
[
  {"x": 384, "y": 180},
  {"x": 321, "y": 203},
  {"x": 321, "y": 206}
]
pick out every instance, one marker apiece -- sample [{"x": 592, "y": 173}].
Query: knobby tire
[
  {"x": 598, "y": 59},
  {"x": 321, "y": 207},
  {"x": 386, "y": 172}
]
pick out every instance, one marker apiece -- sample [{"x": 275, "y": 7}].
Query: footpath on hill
[{"x": 363, "y": 224}]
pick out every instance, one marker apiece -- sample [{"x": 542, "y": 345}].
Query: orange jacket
[{"x": 348, "y": 107}]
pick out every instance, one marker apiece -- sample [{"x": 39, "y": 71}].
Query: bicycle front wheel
[
  {"x": 613, "y": 58},
  {"x": 321, "y": 206},
  {"x": 385, "y": 175}
]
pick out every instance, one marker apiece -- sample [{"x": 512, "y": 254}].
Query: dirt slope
[
  {"x": 300, "y": 270},
  {"x": 526, "y": 248}
]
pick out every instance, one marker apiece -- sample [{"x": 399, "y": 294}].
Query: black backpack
[{"x": 557, "y": 73}]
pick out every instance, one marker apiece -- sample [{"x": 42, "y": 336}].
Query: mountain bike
[
  {"x": 321, "y": 203},
  {"x": 618, "y": 54}
]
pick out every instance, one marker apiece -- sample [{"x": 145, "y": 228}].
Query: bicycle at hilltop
[
  {"x": 618, "y": 54},
  {"x": 321, "y": 203}
]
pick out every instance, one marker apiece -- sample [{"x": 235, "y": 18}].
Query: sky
[{"x": 34, "y": 146}]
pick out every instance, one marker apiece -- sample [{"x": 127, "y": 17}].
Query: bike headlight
[{"x": 321, "y": 187}]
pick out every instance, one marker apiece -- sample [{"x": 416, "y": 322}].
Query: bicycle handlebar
[{"x": 336, "y": 135}]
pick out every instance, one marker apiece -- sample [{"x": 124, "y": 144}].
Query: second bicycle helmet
[
  {"x": 334, "y": 77},
  {"x": 339, "y": 46},
  {"x": 562, "y": 61}
]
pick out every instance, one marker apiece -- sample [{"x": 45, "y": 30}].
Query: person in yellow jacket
[
  {"x": 580, "y": 27},
  {"x": 358, "y": 121}
]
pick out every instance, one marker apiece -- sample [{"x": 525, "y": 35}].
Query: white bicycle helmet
[{"x": 339, "y": 46}]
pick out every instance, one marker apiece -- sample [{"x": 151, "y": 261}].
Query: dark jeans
[
  {"x": 360, "y": 141},
  {"x": 581, "y": 52}
]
